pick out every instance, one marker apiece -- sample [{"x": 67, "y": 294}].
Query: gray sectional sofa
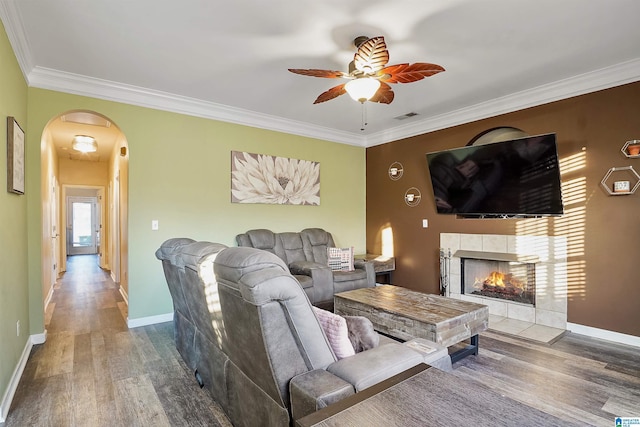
[
  {"x": 247, "y": 329},
  {"x": 305, "y": 254}
]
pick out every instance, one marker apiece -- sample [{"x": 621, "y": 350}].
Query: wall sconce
[
  {"x": 412, "y": 197},
  {"x": 84, "y": 144},
  {"x": 395, "y": 171}
]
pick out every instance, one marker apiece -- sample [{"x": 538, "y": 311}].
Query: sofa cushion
[
  {"x": 305, "y": 281},
  {"x": 335, "y": 328}
]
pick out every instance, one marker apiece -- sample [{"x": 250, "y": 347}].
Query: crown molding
[
  {"x": 616, "y": 75},
  {"x": 46, "y": 78},
  {"x": 17, "y": 36}
]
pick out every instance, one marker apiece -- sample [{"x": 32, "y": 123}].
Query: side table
[{"x": 382, "y": 265}]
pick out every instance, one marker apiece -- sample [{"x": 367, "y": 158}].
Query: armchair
[{"x": 281, "y": 366}]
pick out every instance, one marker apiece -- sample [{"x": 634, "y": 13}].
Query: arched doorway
[{"x": 98, "y": 176}]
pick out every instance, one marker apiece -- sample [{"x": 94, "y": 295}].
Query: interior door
[
  {"x": 82, "y": 222},
  {"x": 55, "y": 233},
  {"x": 100, "y": 238}
]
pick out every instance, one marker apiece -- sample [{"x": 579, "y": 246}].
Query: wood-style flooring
[{"x": 94, "y": 371}]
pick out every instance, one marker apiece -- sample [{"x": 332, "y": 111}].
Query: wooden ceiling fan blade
[
  {"x": 384, "y": 95},
  {"x": 332, "y": 93},
  {"x": 313, "y": 72},
  {"x": 372, "y": 55},
  {"x": 408, "y": 73}
]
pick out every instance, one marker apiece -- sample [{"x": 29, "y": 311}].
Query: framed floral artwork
[
  {"x": 260, "y": 178},
  {"x": 15, "y": 157}
]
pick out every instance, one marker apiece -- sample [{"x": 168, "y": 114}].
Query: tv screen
[{"x": 516, "y": 178}]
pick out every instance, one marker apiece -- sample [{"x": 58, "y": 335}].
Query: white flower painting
[{"x": 259, "y": 178}]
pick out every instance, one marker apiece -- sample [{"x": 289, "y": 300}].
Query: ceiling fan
[{"x": 369, "y": 76}]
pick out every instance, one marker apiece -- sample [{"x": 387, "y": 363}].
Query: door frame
[
  {"x": 101, "y": 214},
  {"x": 91, "y": 249}
]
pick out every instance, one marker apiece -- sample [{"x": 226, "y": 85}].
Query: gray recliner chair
[
  {"x": 201, "y": 297},
  {"x": 281, "y": 366},
  {"x": 316, "y": 242},
  {"x": 183, "y": 324}
]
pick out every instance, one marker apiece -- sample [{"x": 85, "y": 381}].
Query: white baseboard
[
  {"x": 48, "y": 299},
  {"x": 125, "y": 296},
  {"x": 5, "y": 404},
  {"x": 39, "y": 338},
  {"x": 604, "y": 334},
  {"x": 151, "y": 320}
]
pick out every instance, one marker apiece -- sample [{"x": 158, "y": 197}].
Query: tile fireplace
[
  {"x": 517, "y": 277},
  {"x": 500, "y": 276}
]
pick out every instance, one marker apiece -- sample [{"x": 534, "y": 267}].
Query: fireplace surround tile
[
  {"x": 551, "y": 282},
  {"x": 494, "y": 243},
  {"x": 521, "y": 312},
  {"x": 471, "y": 242},
  {"x": 554, "y": 319}
]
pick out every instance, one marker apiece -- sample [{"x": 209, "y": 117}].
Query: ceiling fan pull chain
[{"x": 364, "y": 116}]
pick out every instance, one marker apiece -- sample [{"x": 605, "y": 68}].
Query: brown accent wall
[{"x": 603, "y": 231}]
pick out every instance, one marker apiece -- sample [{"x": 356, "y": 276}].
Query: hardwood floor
[
  {"x": 576, "y": 378},
  {"x": 94, "y": 371}
]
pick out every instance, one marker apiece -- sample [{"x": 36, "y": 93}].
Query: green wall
[
  {"x": 180, "y": 175},
  {"x": 14, "y": 295}
]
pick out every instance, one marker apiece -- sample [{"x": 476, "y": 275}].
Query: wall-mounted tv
[{"x": 515, "y": 178}]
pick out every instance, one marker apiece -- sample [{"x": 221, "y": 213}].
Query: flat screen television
[{"x": 515, "y": 178}]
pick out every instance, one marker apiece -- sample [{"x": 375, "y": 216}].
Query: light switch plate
[
  {"x": 425, "y": 223},
  {"x": 154, "y": 224}
]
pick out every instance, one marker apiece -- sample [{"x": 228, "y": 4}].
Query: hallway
[{"x": 94, "y": 371}]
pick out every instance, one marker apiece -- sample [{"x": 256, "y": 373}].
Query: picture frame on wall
[{"x": 15, "y": 157}]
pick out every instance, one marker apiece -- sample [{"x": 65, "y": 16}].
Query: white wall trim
[
  {"x": 51, "y": 79},
  {"x": 615, "y": 75},
  {"x": 10, "y": 392},
  {"x": 605, "y": 78},
  {"x": 47, "y": 300},
  {"x": 604, "y": 334},
  {"x": 124, "y": 294},
  {"x": 39, "y": 338},
  {"x": 47, "y": 78},
  {"x": 151, "y": 320}
]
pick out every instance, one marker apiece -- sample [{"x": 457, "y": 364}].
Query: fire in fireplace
[{"x": 507, "y": 280}]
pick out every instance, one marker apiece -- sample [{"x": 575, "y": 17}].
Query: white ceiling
[{"x": 228, "y": 60}]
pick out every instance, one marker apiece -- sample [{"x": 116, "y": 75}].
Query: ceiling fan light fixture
[
  {"x": 362, "y": 89},
  {"x": 84, "y": 144}
]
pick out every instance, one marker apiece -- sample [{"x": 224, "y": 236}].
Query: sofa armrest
[
  {"x": 367, "y": 266},
  {"x": 315, "y": 390},
  {"x": 372, "y": 366},
  {"x": 321, "y": 276}
]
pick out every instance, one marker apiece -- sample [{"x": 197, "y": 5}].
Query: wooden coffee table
[{"x": 405, "y": 314}]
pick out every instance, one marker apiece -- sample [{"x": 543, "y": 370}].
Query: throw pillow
[
  {"x": 361, "y": 333},
  {"x": 335, "y": 328},
  {"x": 340, "y": 259}
]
